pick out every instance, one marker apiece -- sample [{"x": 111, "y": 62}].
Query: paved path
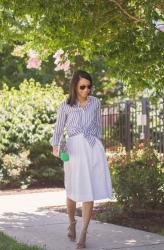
[{"x": 26, "y": 217}]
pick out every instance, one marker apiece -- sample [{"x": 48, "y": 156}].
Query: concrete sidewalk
[{"x": 26, "y": 217}]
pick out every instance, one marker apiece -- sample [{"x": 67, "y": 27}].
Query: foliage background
[
  {"x": 27, "y": 120},
  {"x": 117, "y": 37}
]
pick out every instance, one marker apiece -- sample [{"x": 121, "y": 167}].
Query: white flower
[
  {"x": 18, "y": 51},
  {"x": 159, "y": 25},
  {"x": 58, "y": 53}
]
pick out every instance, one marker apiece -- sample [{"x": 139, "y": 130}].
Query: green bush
[
  {"x": 13, "y": 168},
  {"x": 45, "y": 169},
  {"x": 138, "y": 179},
  {"x": 27, "y": 117}
]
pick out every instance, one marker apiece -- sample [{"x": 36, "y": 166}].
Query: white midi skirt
[{"x": 86, "y": 174}]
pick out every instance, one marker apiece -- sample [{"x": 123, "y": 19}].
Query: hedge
[{"x": 27, "y": 118}]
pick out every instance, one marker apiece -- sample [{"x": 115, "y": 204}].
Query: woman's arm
[
  {"x": 99, "y": 120},
  {"x": 59, "y": 126}
]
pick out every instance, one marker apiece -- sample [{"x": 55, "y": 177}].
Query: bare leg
[
  {"x": 87, "y": 209},
  {"x": 71, "y": 209}
]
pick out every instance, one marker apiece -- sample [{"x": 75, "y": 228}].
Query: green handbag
[
  {"x": 64, "y": 156},
  {"x": 63, "y": 153}
]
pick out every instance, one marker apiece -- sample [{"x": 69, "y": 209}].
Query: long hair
[{"x": 71, "y": 100}]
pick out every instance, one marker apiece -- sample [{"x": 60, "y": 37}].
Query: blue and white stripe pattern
[{"x": 77, "y": 119}]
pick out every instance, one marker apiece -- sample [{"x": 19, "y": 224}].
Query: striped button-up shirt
[{"x": 77, "y": 119}]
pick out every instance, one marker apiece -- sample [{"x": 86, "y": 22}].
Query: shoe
[
  {"x": 81, "y": 242},
  {"x": 72, "y": 231}
]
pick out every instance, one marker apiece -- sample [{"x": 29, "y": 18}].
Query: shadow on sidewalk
[{"x": 49, "y": 228}]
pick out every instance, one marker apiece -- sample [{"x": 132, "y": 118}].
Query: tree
[
  {"x": 123, "y": 34},
  {"x": 13, "y": 70}
]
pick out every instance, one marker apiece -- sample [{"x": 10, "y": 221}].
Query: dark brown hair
[{"x": 74, "y": 81}]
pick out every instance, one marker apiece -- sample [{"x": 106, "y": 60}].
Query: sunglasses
[{"x": 82, "y": 87}]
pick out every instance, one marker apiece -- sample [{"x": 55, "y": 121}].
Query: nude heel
[{"x": 82, "y": 240}]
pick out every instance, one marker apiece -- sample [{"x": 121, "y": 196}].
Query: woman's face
[{"x": 83, "y": 88}]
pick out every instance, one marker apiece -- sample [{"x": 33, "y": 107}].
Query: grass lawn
[{"x": 8, "y": 243}]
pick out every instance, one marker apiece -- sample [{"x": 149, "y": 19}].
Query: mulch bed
[{"x": 151, "y": 221}]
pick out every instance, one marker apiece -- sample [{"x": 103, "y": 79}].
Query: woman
[{"x": 87, "y": 177}]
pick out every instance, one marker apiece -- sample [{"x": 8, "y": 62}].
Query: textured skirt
[{"x": 86, "y": 174}]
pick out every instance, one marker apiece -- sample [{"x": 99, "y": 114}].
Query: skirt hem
[{"x": 89, "y": 199}]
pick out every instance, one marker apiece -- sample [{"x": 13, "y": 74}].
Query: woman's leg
[
  {"x": 71, "y": 209},
  {"x": 87, "y": 209}
]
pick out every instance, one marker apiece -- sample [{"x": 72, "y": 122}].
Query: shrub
[
  {"x": 138, "y": 179},
  {"x": 45, "y": 169},
  {"x": 27, "y": 117},
  {"x": 13, "y": 168}
]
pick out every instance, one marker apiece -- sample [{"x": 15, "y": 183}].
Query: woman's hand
[{"x": 56, "y": 150}]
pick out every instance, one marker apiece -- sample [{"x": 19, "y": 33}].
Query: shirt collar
[{"x": 88, "y": 101}]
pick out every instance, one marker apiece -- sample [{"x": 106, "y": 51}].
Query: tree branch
[{"x": 125, "y": 12}]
